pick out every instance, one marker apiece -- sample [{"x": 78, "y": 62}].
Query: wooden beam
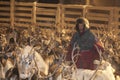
[{"x": 12, "y": 5}]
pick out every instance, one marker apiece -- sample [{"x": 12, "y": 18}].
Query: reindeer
[
  {"x": 111, "y": 41},
  {"x": 30, "y": 62},
  {"x": 103, "y": 71}
]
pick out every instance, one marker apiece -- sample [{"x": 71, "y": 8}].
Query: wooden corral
[
  {"x": 55, "y": 23},
  {"x": 33, "y": 14},
  {"x": 5, "y": 13},
  {"x": 47, "y": 16},
  {"x": 23, "y": 14},
  {"x": 100, "y": 17},
  {"x": 69, "y": 15},
  {"x": 117, "y": 17}
]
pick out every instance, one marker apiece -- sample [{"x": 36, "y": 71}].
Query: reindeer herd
[{"x": 27, "y": 55}]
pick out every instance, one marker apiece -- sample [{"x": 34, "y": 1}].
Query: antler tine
[{"x": 75, "y": 47}]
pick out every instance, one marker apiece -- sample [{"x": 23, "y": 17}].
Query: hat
[{"x": 84, "y": 21}]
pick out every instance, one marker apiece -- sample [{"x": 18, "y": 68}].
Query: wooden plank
[
  {"x": 12, "y": 12},
  {"x": 23, "y": 14},
  {"x": 97, "y": 18},
  {"x": 4, "y": 3},
  {"x": 34, "y": 14},
  {"x": 98, "y": 25},
  {"x": 46, "y": 24},
  {"x": 117, "y": 16},
  {"x": 74, "y": 6},
  {"x": 42, "y": 8},
  {"x": 73, "y": 13},
  {"x": 63, "y": 17},
  {"x": 45, "y": 13},
  {"x": 100, "y": 8},
  {"x": 97, "y": 15},
  {"x": 47, "y": 10},
  {"x": 5, "y": 19},
  {"x": 46, "y": 19},
  {"x": 23, "y": 3},
  {"x": 22, "y": 25},
  {"x": 58, "y": 16},
  {"x": 46, "y": 5},
  {"x": 4, "y": 14},
  {"x": 70, "y": 19},
  {"x": 5, "y": 8},
  {"x": 70, "y": 25},
  {"x": 23, "y": 9},
  {"x": 4, "y": 24},
  {"x": 23, "y": 20}
]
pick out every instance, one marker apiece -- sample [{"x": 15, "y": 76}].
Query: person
[{"x": 86, "y": 42}]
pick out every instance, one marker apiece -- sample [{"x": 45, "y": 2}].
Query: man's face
[{"x": 81, "y": 26}]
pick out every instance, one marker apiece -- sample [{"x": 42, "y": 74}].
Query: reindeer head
[{"x": 25, "y": 62}]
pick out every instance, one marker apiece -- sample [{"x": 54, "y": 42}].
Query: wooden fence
[
  {"x": 69, "y": 15},
  {"x": 117, "y": 17},
  {"x": 100, "y": 17},
  {"x": 5, "y": 16},
  {"x": 47, "y": 15},
  {"x": 21, "y": 14}
]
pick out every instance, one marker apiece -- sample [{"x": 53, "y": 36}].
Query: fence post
[
  {"x": 58, "y": 24},
  {"x": 111, "y": 18},
  {"x": 62, "y": 16},
  {"x": 34, "y": 16},
  {"x": 12, "y": 7}
]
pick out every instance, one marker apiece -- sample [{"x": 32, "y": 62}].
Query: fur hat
[{"x": 84, "y": 21}]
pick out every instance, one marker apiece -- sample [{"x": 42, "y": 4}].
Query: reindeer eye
[{"x": 29, "y": 63}]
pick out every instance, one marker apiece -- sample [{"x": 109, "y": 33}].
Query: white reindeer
[
  {"x": 29, "y": 62},
  {"x": 104, "y": 71},
  {"x": 3, "y": 69}
]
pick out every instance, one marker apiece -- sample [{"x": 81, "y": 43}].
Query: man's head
[{"x": 82, "y": 24}]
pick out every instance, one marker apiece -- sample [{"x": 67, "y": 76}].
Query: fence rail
[
  {"x": 117, "y": 17},
  {"x": 5, "y": 13},
  {"x": 21, "y": 14}
]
